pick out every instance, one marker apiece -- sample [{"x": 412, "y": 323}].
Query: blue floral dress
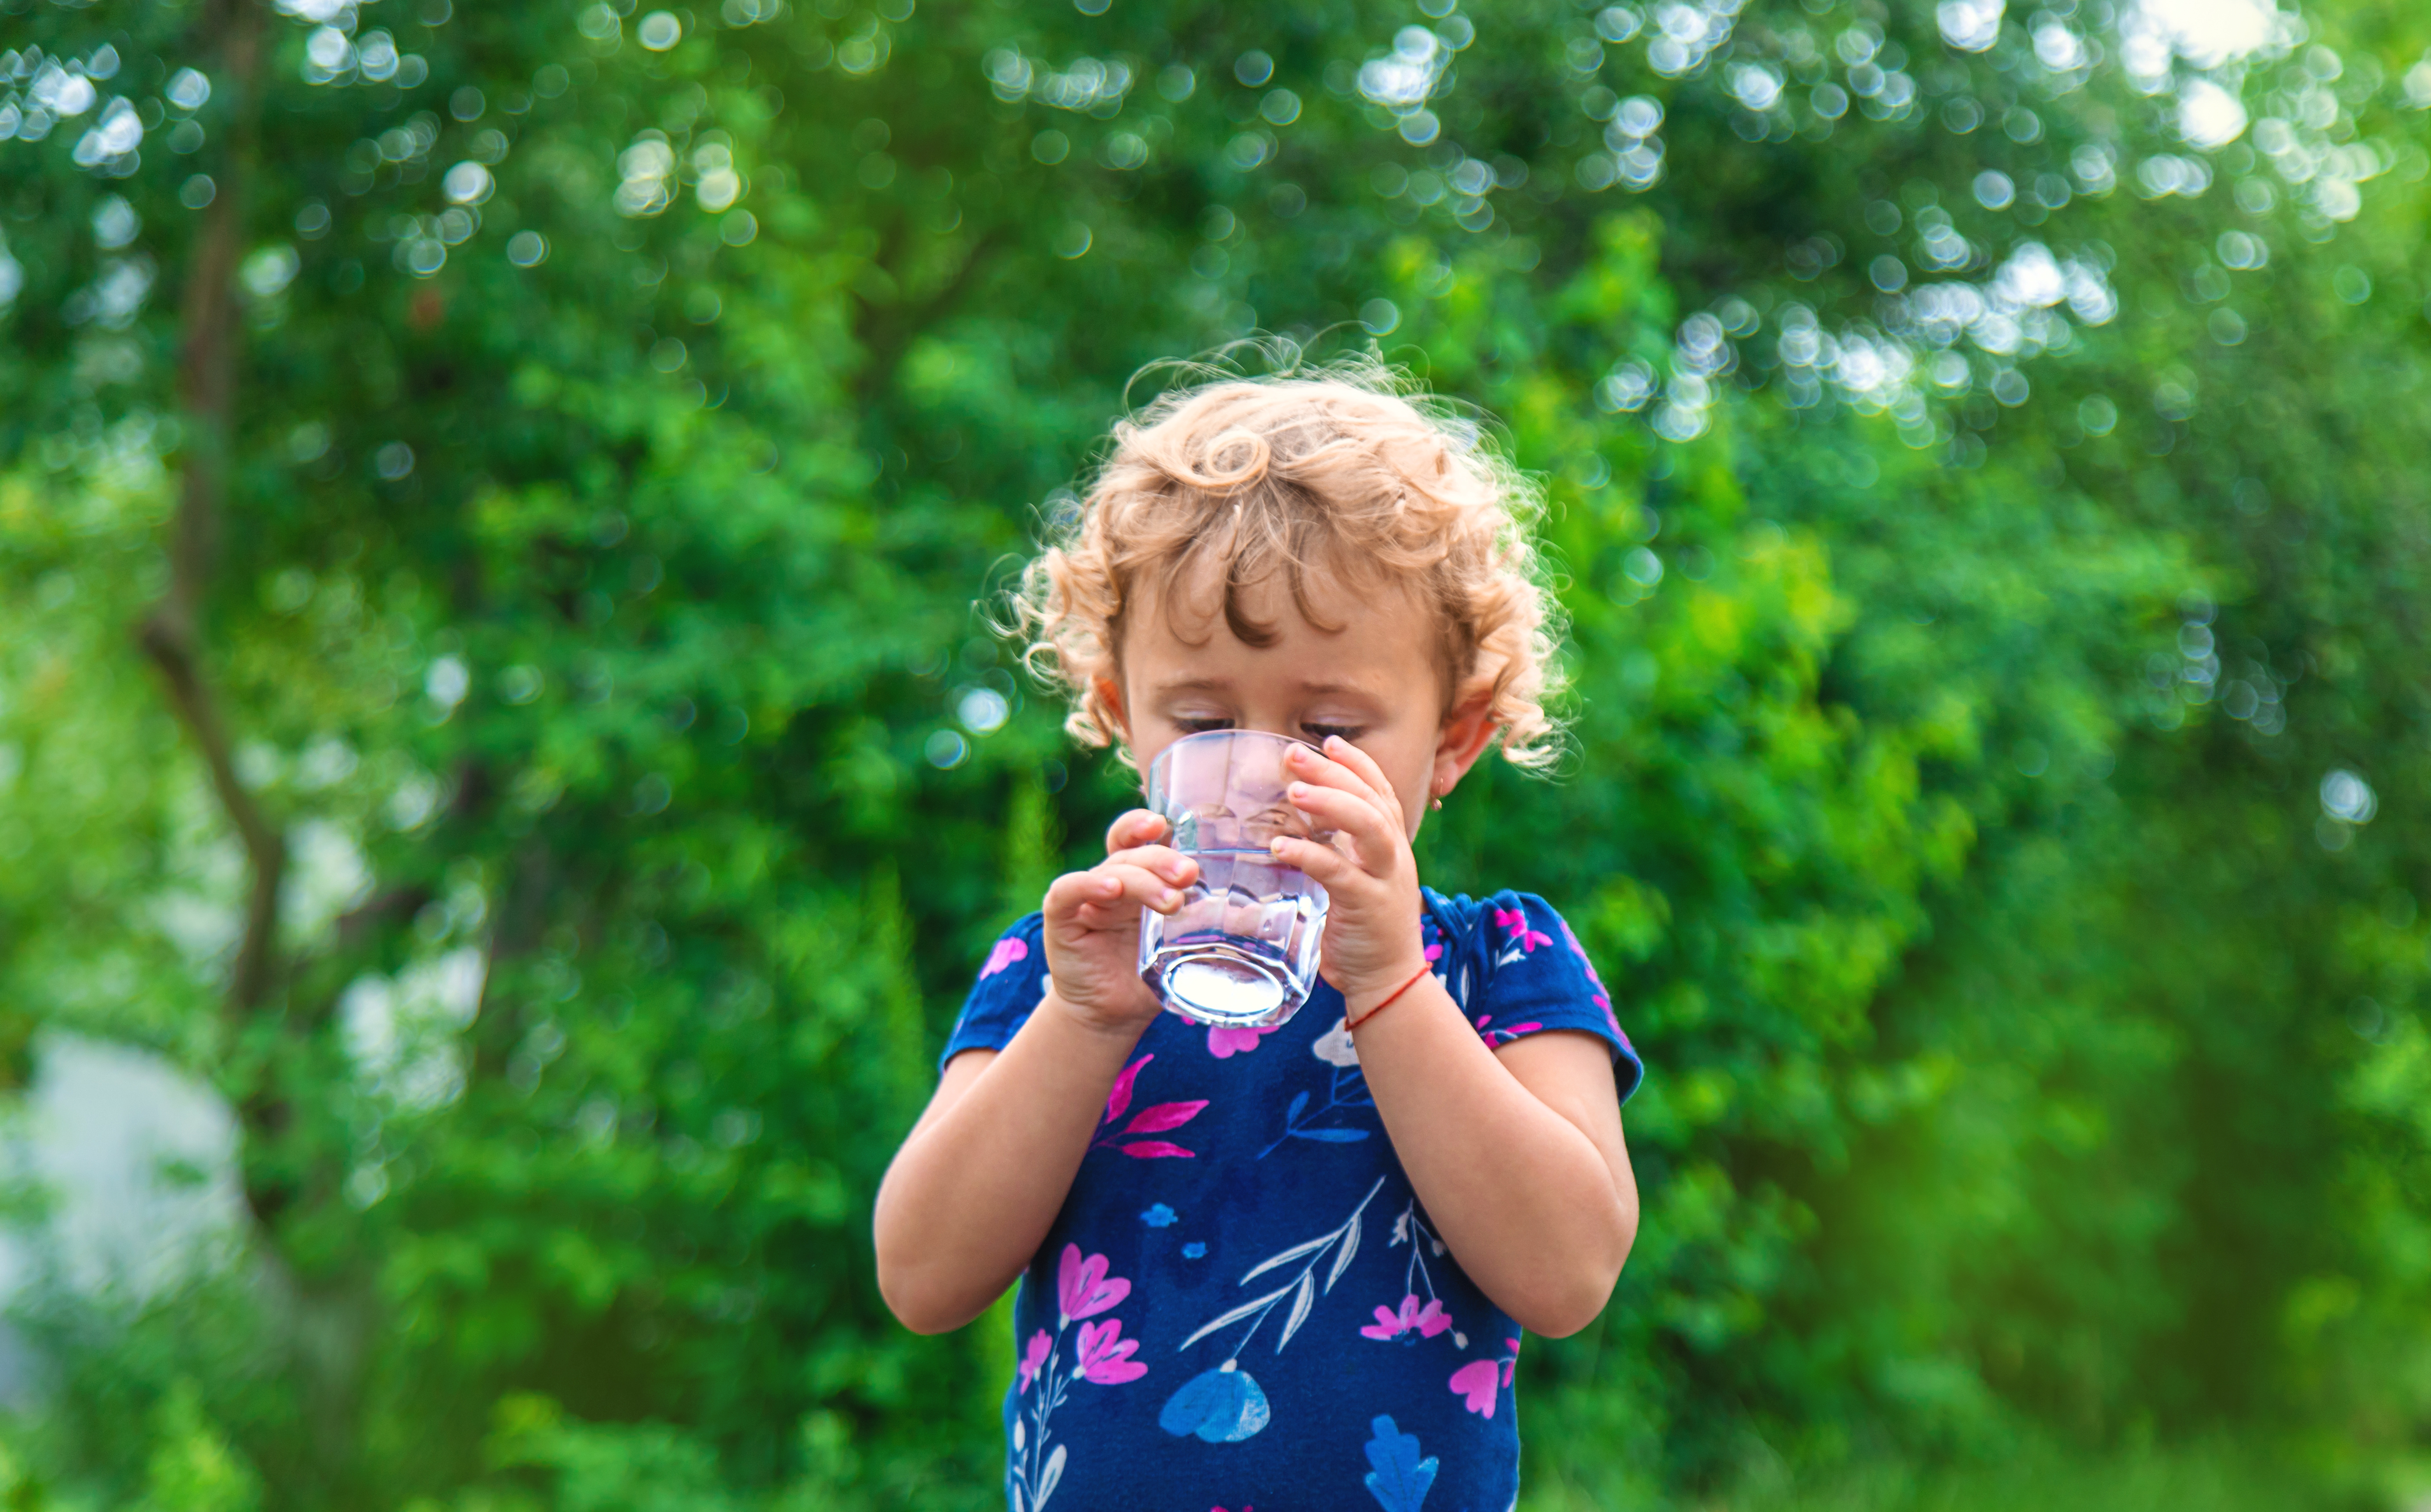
[{"x": 1242, "y": 1303}]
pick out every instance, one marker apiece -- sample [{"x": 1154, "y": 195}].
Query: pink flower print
[
  {"x": 1119, "y": 1097},
  {"x": 1479, "y": 1381},
  {"x": 1522, "y": 935},
  {"x": 1600, "y": 997},
  {"x": 1507, "y": 1032},
  {"x": 1226, "y": 1043},
  {"x": 1580, "y": 951},
  {"x": 1035, "y": 1357},
  {"x": 1084, "y": 1289},
  {"x": 1388, "y": 1324},
  {"x": 1006, "y": 952},
  {"x": 1156, "y": 1118},
  {"x": 1106, "y": 1356},
  {"x": 1429, "y": 1320},
  {"x": 1434, "y": 952}
]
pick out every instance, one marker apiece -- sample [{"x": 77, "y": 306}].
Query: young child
[{"x": 1270, "y": 1267}]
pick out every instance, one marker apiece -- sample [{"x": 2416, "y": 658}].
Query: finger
[
  {"x": 1134, "y": 827},
  {"x": 1073, "y": 892},
  {"x": 1164, "y": 861},
  {"x": 1312, "y": 767},
  {"x": 1375, "y": 840},
  {"x": 1138, "y": 885},
  {"x": 1365, "y": 765},
  {"x": 1098, "y": 920},
  {"x": 1109, "y": 894},
  {"x": 1328, "y": 866}
]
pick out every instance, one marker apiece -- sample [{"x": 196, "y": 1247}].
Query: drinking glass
[{"x": 1241, "y": 952}]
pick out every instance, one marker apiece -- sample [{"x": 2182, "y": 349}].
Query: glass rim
[{"x": 1214, "y": 734}]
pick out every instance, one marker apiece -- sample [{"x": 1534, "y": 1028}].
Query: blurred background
[{"x": 503, "y": 783}]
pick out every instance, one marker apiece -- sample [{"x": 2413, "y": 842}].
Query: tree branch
[
  {"x": 266, "y": 852},
  {"x": 170, "y": 635}
]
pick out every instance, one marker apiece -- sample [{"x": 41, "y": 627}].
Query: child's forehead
[
  {"x": 1324, "y": 594},
  {"x": 1373, "y": 648}
]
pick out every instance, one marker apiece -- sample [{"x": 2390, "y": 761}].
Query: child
[{"x": 1268, "y": 1267}]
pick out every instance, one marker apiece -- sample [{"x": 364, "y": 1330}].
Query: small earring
[{"x": 1436, "y": 803}]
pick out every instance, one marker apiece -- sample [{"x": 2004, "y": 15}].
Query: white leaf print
[
  {"x": 1234, "y": 1316},
  {"x": 1334, "y": 1047},
  {"x": 1017, "y": 1504},
  {"x": 1047, "y": 1477},
  {"x": 1342, "y": 1260},
  {"x": 1287, "y": 1257},
  {"x": 1348, "y": 1234},
  {"x": 1301, "y": 1304},
  {"x": 1020, "y": 1438}
]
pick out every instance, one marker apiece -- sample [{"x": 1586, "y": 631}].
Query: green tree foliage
[{"x": 492, "y": 501}]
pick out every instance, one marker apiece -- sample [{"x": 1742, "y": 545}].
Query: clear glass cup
[{"x": 1241, "y": 952}]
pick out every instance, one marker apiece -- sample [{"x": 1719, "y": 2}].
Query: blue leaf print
[
  {"x": 1400, "y": 1480},
  {"x": 1222, "y": 1406},
  {"x": 1349, "y": 1093},
  {"x": 1159, "y": 1217}
]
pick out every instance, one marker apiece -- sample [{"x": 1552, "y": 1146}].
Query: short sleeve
[
  {"x": 1011, "y": 982},
  {"x": 1537, "y": 977}
]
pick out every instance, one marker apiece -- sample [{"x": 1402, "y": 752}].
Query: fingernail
[{"x": 1170, "y": 898}]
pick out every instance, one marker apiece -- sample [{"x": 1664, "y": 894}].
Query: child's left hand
[{"x": 1369, "y": 874}]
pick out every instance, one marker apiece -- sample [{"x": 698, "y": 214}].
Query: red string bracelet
[{"x": 1371, "y": 1013}]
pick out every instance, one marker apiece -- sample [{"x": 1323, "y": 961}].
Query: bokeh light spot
[{"x": 659, "y": 30}]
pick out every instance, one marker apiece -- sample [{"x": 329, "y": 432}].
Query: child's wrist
[
  {"x": 1365, "y": 997},
  {"x": 1112, "y": 1029}
]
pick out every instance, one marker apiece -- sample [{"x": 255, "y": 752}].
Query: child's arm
[
  {"x": 970, "y": 1195},
  {"x": 1517, "y": 1152}
]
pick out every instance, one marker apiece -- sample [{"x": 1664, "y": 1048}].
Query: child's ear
[{"x": 1467, "y": 731}]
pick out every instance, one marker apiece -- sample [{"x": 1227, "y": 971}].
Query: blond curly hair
[{"x": 1345, "y": 468}]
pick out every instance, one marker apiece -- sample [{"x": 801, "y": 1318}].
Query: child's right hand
[{"x": 1092, "y": 923}]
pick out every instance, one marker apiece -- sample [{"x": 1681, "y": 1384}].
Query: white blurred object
[{"x": 139, "y": 1163}]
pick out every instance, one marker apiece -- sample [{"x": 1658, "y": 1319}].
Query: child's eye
[
  {"x": 1197, "y": 725},
  {"x": 1318, "y": 733}
]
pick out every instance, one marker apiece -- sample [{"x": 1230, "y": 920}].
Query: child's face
[{"x": 1374, "y": 682}]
